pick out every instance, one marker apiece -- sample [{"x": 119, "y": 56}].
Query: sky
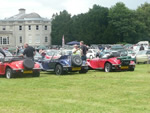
[{"x": 46, "y": 8}]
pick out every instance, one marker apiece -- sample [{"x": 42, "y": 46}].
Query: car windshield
[
  {"x": 52, "y": 52},
  {"x": 7, "y": 54},
  {"x": 116, "y": 47},
  {"x": 66, "y": 52}
]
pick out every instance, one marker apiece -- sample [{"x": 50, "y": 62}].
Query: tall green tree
[
  {"x": 61, "y": 25},
  {"x": 143, "y": 16},
  {"x": 122, "y": 22},
  {"x": 90, "y": 26}
]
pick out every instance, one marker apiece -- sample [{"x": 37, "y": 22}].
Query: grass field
[{"x": 94, "y": 92}]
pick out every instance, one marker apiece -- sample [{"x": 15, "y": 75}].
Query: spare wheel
[
  {"x": 28, "y": 63},
  {"x": 76, "y": 60}
]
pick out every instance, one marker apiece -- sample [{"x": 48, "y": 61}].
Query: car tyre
[
  {"x": 83, "y": 71},
  {"x": 76, "y": 60},
  {"x": 28, "y": 63},
  {"x": 36, "y": 74},
  {"x": 58, "y": 69},
  {"x": 108, "y": 67},
  {"x": 9, "y": 73},
  {"x": 131, "y": 69}
]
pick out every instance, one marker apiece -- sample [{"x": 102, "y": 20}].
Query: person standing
[
  {"x": 76, "y": 50},
  {"x": 84, "y": 50},
  {"x": 29, "y": 51},
  {"x": 142, "y": 47}
]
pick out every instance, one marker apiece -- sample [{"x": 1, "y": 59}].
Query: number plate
[
  {"x": 27, "y": 71},
  {"x": 76, "y": 68},
  {"x": 124, "y": 67}
]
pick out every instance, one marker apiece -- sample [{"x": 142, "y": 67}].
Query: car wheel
[
  {"x": 28, "y": 63},
  {"x": 36, "y": 74},
  {"x": 131, "y": 69},
  {"x": 9, "y": 73},
  {"x": 58, "y": 69},
  {"x": 76, "y": 60},
  {"x": 83, "y": 71},
  {"x": 108, "y": 67}
]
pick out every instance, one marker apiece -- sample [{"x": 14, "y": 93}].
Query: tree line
[{"x": 102, "y": 25}]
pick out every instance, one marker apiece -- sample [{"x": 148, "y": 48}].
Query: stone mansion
[{"x": 25, "y": 28}]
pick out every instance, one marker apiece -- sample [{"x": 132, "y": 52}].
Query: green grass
[{"x": 94, "y": 92}]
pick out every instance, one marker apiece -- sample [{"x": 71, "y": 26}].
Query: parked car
[
  {"x": 65, "y": 63},
  {"x": 117, "y": 47},
  {"x": 52, "y": 53},
  {"x": 111, "y": 62},
  {"x": 11, "y": 66},
  {"x": 143, "y": 56},
  {"x": 91, "y": 53},
  {"x": 131, "y": 53}
]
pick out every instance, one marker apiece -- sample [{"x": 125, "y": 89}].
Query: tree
[
  {"x": 61, "y": 25},
  {"x": 143, "y": 16},
  {"x": 122, "y": 20}
]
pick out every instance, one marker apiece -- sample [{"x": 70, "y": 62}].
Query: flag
[{"x": 63, "y": 41}]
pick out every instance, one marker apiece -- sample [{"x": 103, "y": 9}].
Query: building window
[
  {"x": 45, "y": 27},
  {"x": 4, "y": 40},
  {"x": 46, "y": 39},
  {"x": 0, "y": 40},
  {"x": 29, "y": 27},
  {"x": 7, "y": 40},
  {"x": 37, "y": 27},
  {"x": 20, "y": 27},
  {"x": 30, "y": 39},
  {"x": 37, "y": 38},
  {"x": 20, "y": 39}
]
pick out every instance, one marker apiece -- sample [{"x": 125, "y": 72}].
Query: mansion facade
[{"x": 25, "y": 28}]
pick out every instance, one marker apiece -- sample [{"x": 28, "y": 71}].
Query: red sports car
[
  {"x": 12, "y": 66},
  {"x": 109, "y": 63}
]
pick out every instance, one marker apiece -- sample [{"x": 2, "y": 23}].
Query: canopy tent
[{"x": 73, "y": 43}]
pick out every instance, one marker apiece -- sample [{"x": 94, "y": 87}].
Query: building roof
[
  {"x": 23, "y": 16},
  {"x": 31, "y": 15}
]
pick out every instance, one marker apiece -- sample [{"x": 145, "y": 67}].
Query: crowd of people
[
  {"x": 29, "y": 51},
  {"x": 80, "y": 50}
]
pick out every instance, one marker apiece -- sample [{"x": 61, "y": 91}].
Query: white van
[{"x": 145, "y": 43}]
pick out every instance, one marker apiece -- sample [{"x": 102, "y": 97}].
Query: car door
[
  {"x": 2, "y": 69},
  {"x": 141, "y": 56},
  {"x": 101, "y": 63},
  {"x": 148, "y": 55}
]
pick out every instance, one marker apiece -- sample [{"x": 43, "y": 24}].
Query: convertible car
[
  {"x": 64, "y": 64},
  {"x": 111, "y": 62},
  {"x": 11, "y": 66}
]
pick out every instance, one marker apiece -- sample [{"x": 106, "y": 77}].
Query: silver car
[{"x": 143, "y": 56}]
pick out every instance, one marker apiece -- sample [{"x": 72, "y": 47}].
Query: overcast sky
[{"x": 46, "y": 8}]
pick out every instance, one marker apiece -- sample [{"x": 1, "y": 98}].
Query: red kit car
[
  {"x": 109, "y": 64},
  {"x": 12, "y": 66}
]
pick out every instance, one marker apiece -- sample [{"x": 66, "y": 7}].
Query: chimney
[{"x": 22, "y": 11}]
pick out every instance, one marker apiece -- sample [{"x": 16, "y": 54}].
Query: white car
[
  {"x": 143, "y": 56},
  {"x": 91, "y": 53},
  {"x": 131, "y": 53}
]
